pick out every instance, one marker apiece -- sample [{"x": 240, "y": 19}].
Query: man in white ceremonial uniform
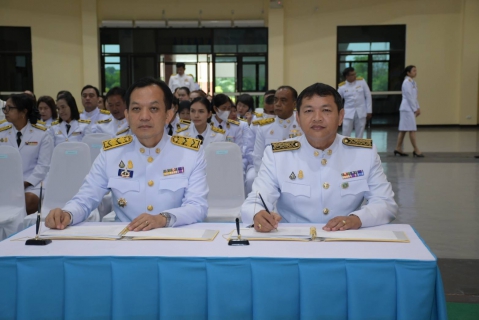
[
  {"x": 357, "y": 103},
  {"x": 118, "y": 122},
  {"x": 2, "y": 116},
  {"x": 282, "y": 127},
  {"x": 89, "y": 99},
  {"x": 181, "y": 79},
  {"x": 156, "y": 180},
  {"x": 210, "y": 135},
  {"x": 321, "y": 177}
]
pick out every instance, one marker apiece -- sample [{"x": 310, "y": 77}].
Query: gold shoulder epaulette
[
  {"x": 359, "y": 78},
  {"x": 285, "y": 146},
  {"x": 84, "y": 121},
  {"x": 342, "y": 84},
  {"x": 3, "y": 121},
  {"x": 123, "y": 131},
  {"x": 182, "y": 129},
  {"x": 54, "y": 123},
  {"x": 257, "y": 114},
  {"x": 186, "y": 142},
  {"x": 244, "y": 120},
  {"x": 234, "y": 122},
  {"x": 104, "y": 121},
  {"x": 41, "y": 122},
  {"x": 185, "y": 121},
  {"x": 81, "y": 111},
  {"x": 39, "y": 127},
  {"x": 356, "y": 142},
  {"x": 5, "y": 128},
  {"x": 117, "y": 142},
  {"x": 266, "y": 121},
  {"x": 215, "y": 129},
  {"x": 105, "y": 112}
]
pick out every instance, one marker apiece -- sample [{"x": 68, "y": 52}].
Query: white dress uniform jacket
[
  {"x": 4, "y": 123},
  {"x": 110, "y": 126},
  {"x": 95, "y": 116},
  {"x": 58, "y": 131},
  {"x": 177, "y": 81},
  {"x": 273, "y": 130},
  {"x": 47, "y": 124},
  {"x": 36, "y": 149},
  {"x": 311, "y": 185},
  {"x": 2, "y": 115},
  {"x": 409, "y": 105},
  {"x": 166, "y": 178},
  {"x": 357, "y": 98},
  {"x": 233, "y": 130},
  {"x": 212, "y": 134}
]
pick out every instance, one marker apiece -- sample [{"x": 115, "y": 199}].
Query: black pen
[
  {"x": 264, "y": 204},
  {"x": 238, "y": 228},
  {"x": 39, "y": 214}
]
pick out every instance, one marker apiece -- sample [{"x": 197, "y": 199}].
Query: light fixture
[
  {"x": 183, "y": 24},
  {"x": 150, "y": 24},
  {"x": 117, "y": 24},
  {"x": 216, "y": 24},
  {"x": 248, "y": 23}
]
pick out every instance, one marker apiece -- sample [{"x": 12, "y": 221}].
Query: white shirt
[
  {"x": 2, "y": 115},
  {"x": 36, "y": 149},
  {"x": 357, "y": 98},
  {"x": 409, "y": 95},
  {"x": 47, "y": 123},
  {"x": 95, "y": 116},
  {"x": 210, "y": 135},
  {"x": 110, "y": 126},
  {"x": 233, "y": 130},
  {"x": 149, "y": 185},
  {"x": 311, "y": 185},
  {"x": 58, "y": 131},
  {"x": 177, "y": 81}
]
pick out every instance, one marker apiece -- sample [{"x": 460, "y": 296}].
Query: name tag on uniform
[
  {"x": 76, "y": 133},
  {"x": 169, "y": 172},
  {"x": 230, "y": 138},
  {"x": 352, "y": 174},
  {"x": 125, "y": 173},
  {"x": 31, "y": 143}
]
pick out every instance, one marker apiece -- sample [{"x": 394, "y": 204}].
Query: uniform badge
[
  {"x": 228, "y": 125},
  {"x": 300, "y": 174},
  {"x": 121, "y": 165},
  {"x": 345, "y": 185},
  {"x": 130, "y": 164},
  {"x": 292, "y": 176},
  {"x": 31, "y": 143},
  {"x": 122, "y": 202},
  {"x": 125, "y": 173},
  {"x": 352, "y": 174},
  {"x": 230, "y": 139},
  {"x": 169, "y": 172},
  {"x": 294, "y": 133},
  {"x": 271, "y": 132},
  {"x": 59, "y": 132},
  {"x": 4, "y": 140},
  {"x": 76, "y": 133}
]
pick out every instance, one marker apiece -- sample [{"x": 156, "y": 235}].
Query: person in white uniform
[
  {"x": 33, "y": 142},
  {"x": 181, "y": 79},
  {"x": 69, "y": 126},
  {"x": 89, "y": 99},
  {"x": 282, "y": 127},
  {"x": 118, "y": 123},
  {"x": 48, "y": 111},
  {"x": 408, "y": 111},
  {"x": 2, "y": 116},
  {"x": 320, "y": 177},
  {"x": 222, "y": 108},
  {"x": 245, "y": 107},
  {"x": 201, "y": 112},
  {"x": 357, "y": 103},
  {"x": 156, "y": 180}
]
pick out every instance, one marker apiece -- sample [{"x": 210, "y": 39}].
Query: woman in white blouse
[
  {"x": 408, "y": 111},
  {"x": 200, "y": 127},
  {"x": 69, "y": 127}
]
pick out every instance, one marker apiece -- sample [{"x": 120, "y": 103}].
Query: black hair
[
  {"x": 293, "y": 91},
  {"x": 269, "y": 92},
  {"x": 115, "y": 91},
  {"x": 180, "y": 65},
  {"x": 322, "y": 90},
  {"x": 406, "y": 71},
  {"x": 91, "y": 87},
  {"x": 175, "y": 101},
  {"x": 72, "y": 104},
  {"x": 24, "y": 102},
  {"x": 50, "y": 103},
  {"x": 206, "y": 103},
  {"x": 146, "y": 82},
  {"x": 200, "y": 92},
  {"x": 220, "y": 99},
  {"x": 186, "y": 104},
  {"x": 62, "y": 92},
  {"x": 347, "y": 71},
  {"x": 186, "y": 89},
  {"x": 247, "y": 100}
]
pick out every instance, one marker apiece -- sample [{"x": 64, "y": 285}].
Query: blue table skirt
[{"x": 218, "y": 288}]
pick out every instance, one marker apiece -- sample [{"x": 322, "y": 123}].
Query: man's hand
[
  {"x": 342, "y": 223},
  {"x": 265, "y": 222},
  {"x": 57, "y": 219},
  {"x": 145, "y": 222},
  {"x": 369, "y": 116},
  {"x": 418, "y": 112}
]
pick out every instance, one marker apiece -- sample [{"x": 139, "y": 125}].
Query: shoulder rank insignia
[
  {"x": 3, "y": 121},
  {"x": 104, "y": 121},
  {"x": 6, "y": 128},
  {"x": 244, "y": 120},
  {"x": 234, "y": 122},
  {"x": 123, "y": 131},
  {"x": 81, "y": 111},
  {"x": 185, "y": 121},
  {"x": 359, "y": 78},
  {"x": 257, "y": 114},
  {"x": 117, "y": 142},
  {"x": 342, "y": 84},
  {"x": 41, "y": 122},
  {"x": 182, "y": 129},
  {"x": 285, "y": 146},
  {"x": 356, "y": 142},
  {"x": 215, "y": 129},
  {"x": 264, "y": 122},
  {"x": 186, "y": 142},
  {"x": 105, "y": 112},
  {"x": 84, "y": 121},
  {"x": 54, "y": 123},
  {"x": 39, "y": 127}
]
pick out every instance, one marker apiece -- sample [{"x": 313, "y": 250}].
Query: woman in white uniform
[
  {"x": 408, "y": 111},
  {"x": 48, "y": 111},
  {"x": 33, "y": 142},
  {"x": 69, "y": 127},
  {"x": 201, "y": 128}
]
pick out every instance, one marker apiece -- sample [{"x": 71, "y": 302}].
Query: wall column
[
  {"x": 275, "y": 48},
  {"x": 91, "y": 63}
]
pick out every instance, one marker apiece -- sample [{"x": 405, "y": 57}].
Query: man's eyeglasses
[
  {"x": 200, "y": 137},
  {"x": 7, "y": 109}
]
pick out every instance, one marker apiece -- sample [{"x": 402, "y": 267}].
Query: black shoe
[
  {"x": 417, "y": 155},
  {"x": 400, "y": 153}
]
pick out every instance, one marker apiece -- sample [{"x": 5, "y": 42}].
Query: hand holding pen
[{"x": 264, "y": 220}]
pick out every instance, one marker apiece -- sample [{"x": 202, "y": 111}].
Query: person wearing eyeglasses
[
  {"x": 33, "y": 142},
  {"x": 69, "y": 126},
  {"x": 201, "y": 128}
]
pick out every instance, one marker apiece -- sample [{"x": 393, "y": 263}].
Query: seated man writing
[
  {"x": 156, "y": 180},
  {"x": 320, "y": 177}
]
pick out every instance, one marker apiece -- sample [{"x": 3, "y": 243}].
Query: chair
[
  {"x": 224, "y": 175},
  {"x": 12, "y": 192},
  {"x": 68, "y": 170}
]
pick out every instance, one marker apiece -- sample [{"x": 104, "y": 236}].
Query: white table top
[{"x": 415, "y": 250}]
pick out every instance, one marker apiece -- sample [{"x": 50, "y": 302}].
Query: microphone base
[
  {"x": 37, "y": 242},
  {"x": 238, "y": 242}
]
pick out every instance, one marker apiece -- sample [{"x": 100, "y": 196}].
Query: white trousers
[{"x": 358, "y": 123}]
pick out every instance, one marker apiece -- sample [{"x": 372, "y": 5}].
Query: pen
[
  {"x": 39, "y": 213},
  {"x": 264, "y": 204},
  {"x": 238, "y": 228}
]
